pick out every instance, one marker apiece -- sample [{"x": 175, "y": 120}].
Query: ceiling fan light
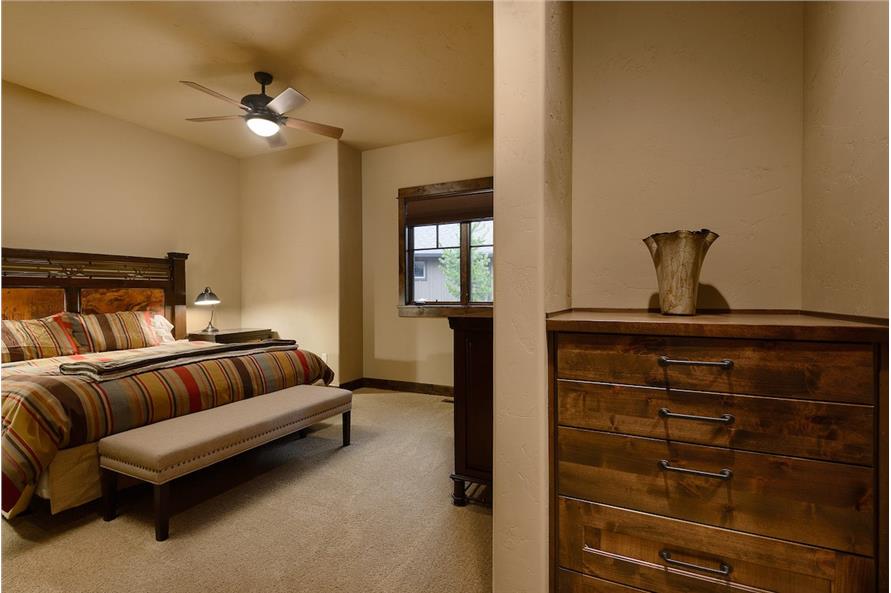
[{"x": 262, "y": 126}]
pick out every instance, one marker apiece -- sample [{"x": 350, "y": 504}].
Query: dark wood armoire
[{"x": 473, "y": 404}]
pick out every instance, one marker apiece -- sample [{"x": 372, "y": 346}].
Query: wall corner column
[{"x": 532, "y": 137}]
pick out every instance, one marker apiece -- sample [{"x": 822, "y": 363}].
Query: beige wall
[
  {"x": 350, "y": 236},
  {"x": 290, "y": 246},
  {"x": 77, "y": 180},
  {"x": 532, "y": 224},
  {"x": 845, "y": 228},
  {"x": 301, "y": 232},
  {"x": 558, "y": 109},
  {"x": 396, "y": 348},
  {"x": 687, "y": 115}
]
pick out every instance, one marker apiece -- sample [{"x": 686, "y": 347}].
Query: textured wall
[
  {"x": 400, "y": 348},
  {"x": 77, "y": 180},
  {"x": 558, "y": 157},
  {"x": 687, "y": 115},
  {"x": 290, "y": 246},
  {"x": 532, "y": 151},
  {"x": 349, "y": 187},
  {"x": 845, "y": 228}
]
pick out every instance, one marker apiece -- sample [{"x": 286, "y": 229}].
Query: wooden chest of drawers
[{"x": 733, "y": 452}]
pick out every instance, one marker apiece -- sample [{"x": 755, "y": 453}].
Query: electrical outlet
[{"x": 324, "y": 356}]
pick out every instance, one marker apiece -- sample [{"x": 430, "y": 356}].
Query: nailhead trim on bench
[{"x": 345, "y": 407}]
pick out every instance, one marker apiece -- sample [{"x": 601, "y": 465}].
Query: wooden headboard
[{"x": 40, "y": 283}]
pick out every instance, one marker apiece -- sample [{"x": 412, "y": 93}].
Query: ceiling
[{"x": 386, "y": 72}]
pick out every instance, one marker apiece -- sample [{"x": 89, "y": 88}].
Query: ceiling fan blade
[
  {"x": 212, "y": 93},
  {"x": 286, "y": 101},
  {"x": 214, "y": 118},
  {"x": 310, "y": 126},
  {"x": 276, "y": 141}
]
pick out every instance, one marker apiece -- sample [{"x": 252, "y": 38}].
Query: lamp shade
[
  {"x": 262, "y": 126},
  {"x": 207, "y": 297}
]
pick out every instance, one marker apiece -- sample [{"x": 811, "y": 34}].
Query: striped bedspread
[{"x": 44, "y": 411}]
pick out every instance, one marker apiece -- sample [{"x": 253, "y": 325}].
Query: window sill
[{"x": 445, "y": 310}]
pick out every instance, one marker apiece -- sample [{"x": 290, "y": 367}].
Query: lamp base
[{"x": 210, "y": 329}]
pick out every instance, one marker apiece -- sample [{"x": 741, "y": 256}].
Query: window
[
  {"x": 446, "y": 239},
  {"x": 436, "y": 251}
]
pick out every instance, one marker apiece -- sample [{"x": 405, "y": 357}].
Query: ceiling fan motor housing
[{"x": 258, "y": 102}]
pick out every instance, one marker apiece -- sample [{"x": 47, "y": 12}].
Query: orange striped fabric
[
  {"x": 44, "y": 411},
  {"x": 120, "y": 331},
  {"x": 62, "y": 334}
]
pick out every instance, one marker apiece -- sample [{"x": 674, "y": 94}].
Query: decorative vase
[{"x": 678, "y": 259}]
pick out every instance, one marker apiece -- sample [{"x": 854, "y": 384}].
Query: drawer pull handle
[
  {"x": 724, "y": 364},
  {"x": 723, "y": 569},
  {"x": 724, "y": 474},
  {"x": 722, "y": 419}
]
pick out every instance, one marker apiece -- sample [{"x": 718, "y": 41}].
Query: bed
[{"x": 53, "y": 420}]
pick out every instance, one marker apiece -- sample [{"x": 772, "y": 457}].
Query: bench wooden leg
[
  {"x": 162, "y": 511},
  {"x": 109, "y": 480},
  {"x": 346, "y": 429}
]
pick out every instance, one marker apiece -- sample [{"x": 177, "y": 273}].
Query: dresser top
[{"x": 781, "y": 325}]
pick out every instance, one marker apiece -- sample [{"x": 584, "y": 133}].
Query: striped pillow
[
  {"x": 120, "y": 331},
  {"x": 62, "y": 334}
]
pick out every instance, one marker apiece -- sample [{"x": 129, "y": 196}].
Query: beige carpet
[{"x": 294, "y": 516}]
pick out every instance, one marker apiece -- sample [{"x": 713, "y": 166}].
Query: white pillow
[{"x": 163, "y": 329}]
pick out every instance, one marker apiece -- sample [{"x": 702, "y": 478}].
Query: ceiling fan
[{"x": 265, "y": 115}]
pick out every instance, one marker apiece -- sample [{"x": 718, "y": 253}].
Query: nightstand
[{"x": 232, "y": 336}]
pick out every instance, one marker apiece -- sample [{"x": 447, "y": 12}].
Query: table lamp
[{"x": 205, "y": 299}]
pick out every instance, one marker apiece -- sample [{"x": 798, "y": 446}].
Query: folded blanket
[{"x": 118, "y": 369}]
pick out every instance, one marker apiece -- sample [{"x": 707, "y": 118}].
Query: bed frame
[{"x": 40, "y": 283}]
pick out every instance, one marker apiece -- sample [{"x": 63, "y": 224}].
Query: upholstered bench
[{"x": 161, "y": 452}]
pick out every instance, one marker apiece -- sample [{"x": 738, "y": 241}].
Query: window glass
[
  {"x": 436, "y": 263},
  {"x": 481, "y": 232},
  {"x": 481, "y": 274},
  {"x": 425, "y": 237},
  {"x": 442, "y": 275},
  {"x": 450, "y": 235}
]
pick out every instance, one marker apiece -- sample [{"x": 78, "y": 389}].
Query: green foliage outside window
[
  {"x": 450, "y": 262},
  {"x": 480, "y": 271}
]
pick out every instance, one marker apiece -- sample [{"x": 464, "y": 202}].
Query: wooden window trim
[
  {"x": 482, "y": 310},
  {"x": 439, "y": 190},
  {"x": 406, "y": 195},
  {"x": 465, "y": 263}
]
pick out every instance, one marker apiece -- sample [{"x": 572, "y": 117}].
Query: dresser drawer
[
  {"x": 814, "y": 502},
  {"x": 801, "y": 428},
  {"x": 841, "y": 372},
  {"x": 573, "y": 582},
  {"x": 665, "y": 555}
]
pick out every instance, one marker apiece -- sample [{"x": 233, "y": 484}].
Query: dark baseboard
[
  {"x": 353, "y": 385},
  {"x": 389, "y": 384}
]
